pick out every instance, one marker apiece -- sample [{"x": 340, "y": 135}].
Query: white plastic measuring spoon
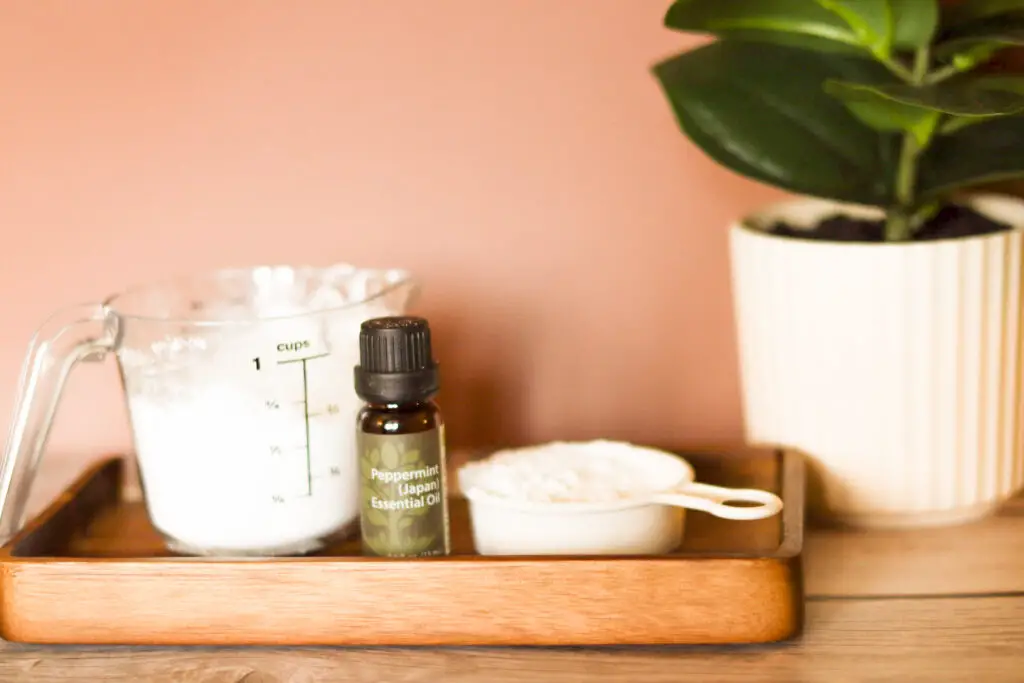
[
  {"x": 593, "y": 498},
  {"x": 712, "y": 499}
]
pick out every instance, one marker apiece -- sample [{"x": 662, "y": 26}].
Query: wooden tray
[{"x": 91, "y": 569}]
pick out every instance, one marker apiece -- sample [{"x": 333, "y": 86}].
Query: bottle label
[{"x": 403, "y": 492}]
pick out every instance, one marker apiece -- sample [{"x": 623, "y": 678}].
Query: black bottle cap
[{"x": 395, "y": 361}]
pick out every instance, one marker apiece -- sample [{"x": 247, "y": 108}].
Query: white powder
[
  {"x": 592, "y": 471},
  {"x": 227, "y": 462}
]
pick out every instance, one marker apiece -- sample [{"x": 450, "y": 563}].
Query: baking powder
[{"x": 592, "y": 471}]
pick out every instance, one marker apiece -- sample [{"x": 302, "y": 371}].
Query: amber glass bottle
[{"x": 400, "y": 441}]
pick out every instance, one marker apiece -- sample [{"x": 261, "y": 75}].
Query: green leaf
[
  {"x": 801, "y": 23},
  {"x": 850, "y": 26},
  {"x": 405, "y": 522},
  {"x": 900, "y": 107},
  {"x": 964, "y": 96},
  {"x": 799, "y": 40},
  {"x": 970, "y": 58},
  {"x": 411, "y": 456},
  {"x": 761, "y": 111},
  {"x": 870, "y": 20},
  {"x": 374, "y": 457},
  {"x": 884, "y": 114},
  {"x": 988, "y": 151},
  {"x": 954, "y": 123},
  {"x": 983, "y": 37},
  {"x": 914, "y": 22},
  {"x": 971, "y": 10}
]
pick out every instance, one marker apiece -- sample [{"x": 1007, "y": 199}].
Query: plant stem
[
  {"x": 921, "y": 60},
  {"x": 906, "y": 171},
  {"x": 898, "y": 225},
  {"x": 898, "y": 70},
  {"x": 942, "y": 74}
]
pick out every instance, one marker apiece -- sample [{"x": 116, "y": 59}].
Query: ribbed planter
[{"x": 896, "y": 368}]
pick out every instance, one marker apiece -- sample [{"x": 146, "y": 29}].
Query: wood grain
[
  {"x": 982, "y": 557},
  {"x": 910, "y": 640},
  {"x": 91, "y": 569}
]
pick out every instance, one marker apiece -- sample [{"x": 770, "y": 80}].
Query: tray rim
[{"x": 792, "y": 489}]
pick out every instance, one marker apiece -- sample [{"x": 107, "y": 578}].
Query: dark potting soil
[{"x": 948, "y": 222}]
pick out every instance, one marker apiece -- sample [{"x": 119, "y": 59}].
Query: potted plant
[{"x": 879, "y": 313}]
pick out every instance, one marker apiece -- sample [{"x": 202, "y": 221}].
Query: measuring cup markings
[
  {"x": 309, "y": 413},
  {"x": 305, "y": 410}
]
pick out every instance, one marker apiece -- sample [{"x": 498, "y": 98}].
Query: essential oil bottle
[{"x": 400, "y": 441}]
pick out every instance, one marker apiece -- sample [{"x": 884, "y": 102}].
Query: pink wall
[{"x": 516, "y": 154}]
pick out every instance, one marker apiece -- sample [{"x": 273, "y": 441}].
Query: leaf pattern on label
[
  {"x": 376, "y": 517},
  {"x": 389, "y": 457},
  {"x": 418, "y": 512},
  {"x": 397, "y": 520}
]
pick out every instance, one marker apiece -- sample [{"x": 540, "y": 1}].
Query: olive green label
[{"x": 403, "y": 490}]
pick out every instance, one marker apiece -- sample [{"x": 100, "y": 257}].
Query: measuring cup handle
[
  {"x": 78, "y": 333},
  {"x": 711, "y": 499}
]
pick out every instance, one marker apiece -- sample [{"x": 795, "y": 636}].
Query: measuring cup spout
[
  {"x": 712, "y": 499},
  {"x": 78, "y": 333}
]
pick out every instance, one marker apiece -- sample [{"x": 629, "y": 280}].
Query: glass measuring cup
[{"x": 240, "y": 398}]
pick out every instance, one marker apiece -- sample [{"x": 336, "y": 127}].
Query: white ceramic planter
[{"x": 896, "y": 368}]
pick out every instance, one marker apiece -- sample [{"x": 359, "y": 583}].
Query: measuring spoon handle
[{"x": 712, "y": 499}]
